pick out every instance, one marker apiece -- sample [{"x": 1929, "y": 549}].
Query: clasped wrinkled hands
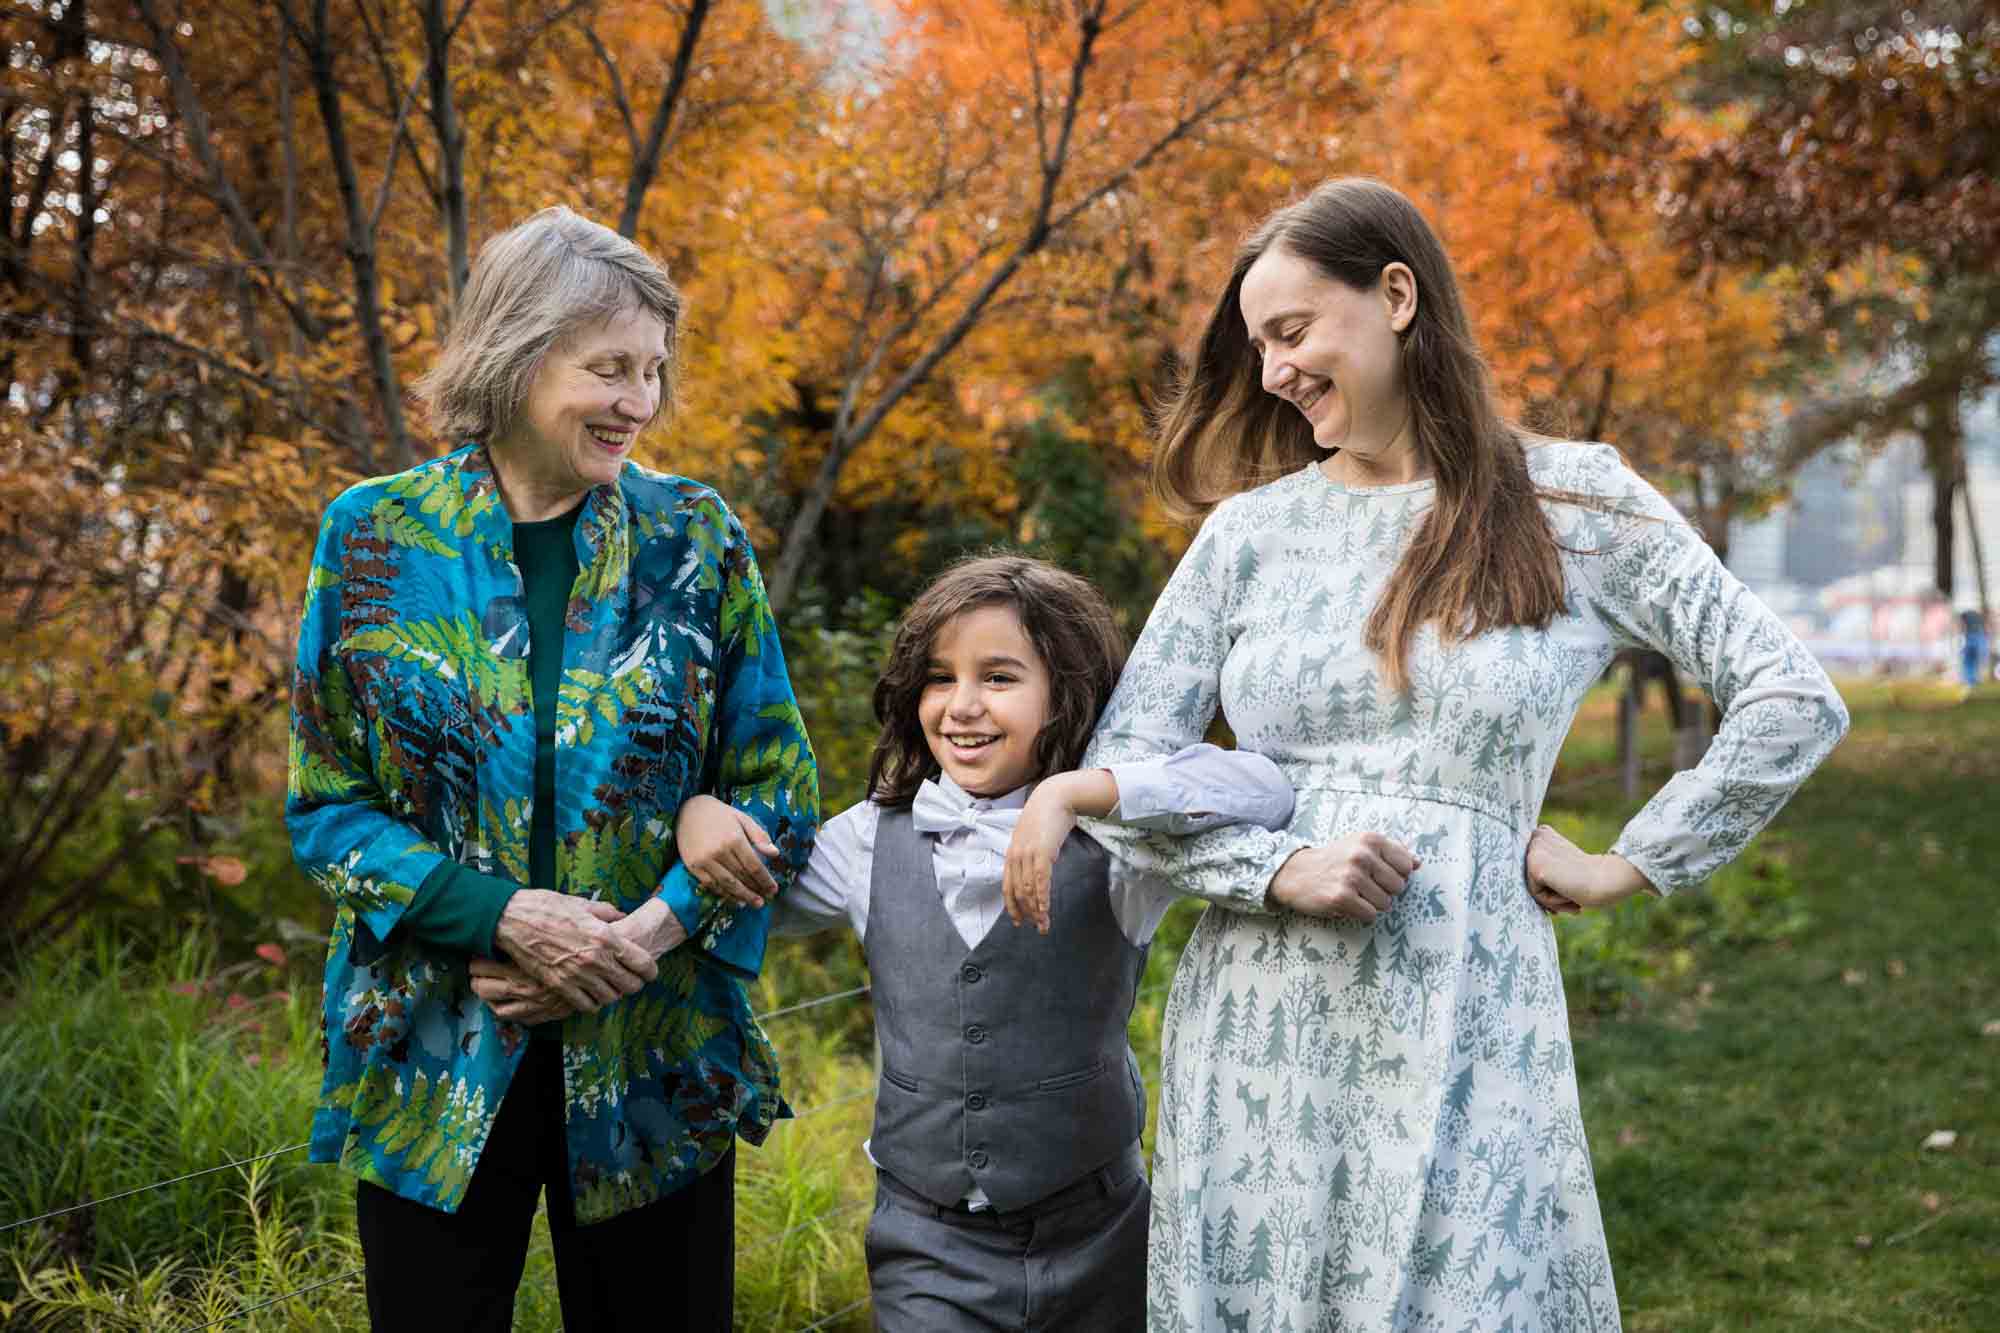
[{"x": 569, "y": 955}]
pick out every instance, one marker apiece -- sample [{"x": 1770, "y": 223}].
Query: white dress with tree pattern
[{"x": 1376, "y": 1127}]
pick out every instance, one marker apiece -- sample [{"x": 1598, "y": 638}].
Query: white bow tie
[{"x": 939, "y": 811}]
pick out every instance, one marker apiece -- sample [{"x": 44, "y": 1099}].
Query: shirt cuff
[
  {"x": 732, "y": 935},
  {"x": 1166, "y": 797},
  {"x": 459, "y": 908}
]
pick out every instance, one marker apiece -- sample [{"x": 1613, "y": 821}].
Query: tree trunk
[
  {"x": 1978, "y": 564},
  {"x": 1944, "y": 458},
  {"x": 1628, "y": 735},
  {"x": 451, "y": 144},
  {"x": 82, "y": 322},
  {"x": 360, "y": 240},
  {"x": 646, "y": 157}
]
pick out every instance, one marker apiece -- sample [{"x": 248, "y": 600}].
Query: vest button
[
  {"x": 970, "y": 972},
  {"x": 975, "y": 1034},
  {"x": 976, "y": 1102},
  {"x": 978, "y": 1159}
]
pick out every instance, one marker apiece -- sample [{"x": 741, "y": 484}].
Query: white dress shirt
[{"x": 1196, "y": 789}]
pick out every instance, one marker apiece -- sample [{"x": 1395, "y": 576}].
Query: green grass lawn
[
  {"x": 1760, "y": 1064},
  {"x": 1758, "y": 1121}
]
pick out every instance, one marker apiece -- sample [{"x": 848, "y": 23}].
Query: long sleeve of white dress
[
  {"x": 1655, "y": 583},
  {"x": 1165, "y": 700}
]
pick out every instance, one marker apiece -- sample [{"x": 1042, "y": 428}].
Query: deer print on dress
[{"x": 1256, "y": 1110}]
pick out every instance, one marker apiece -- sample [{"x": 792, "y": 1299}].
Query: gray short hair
[{"x": 533, "y": 286}]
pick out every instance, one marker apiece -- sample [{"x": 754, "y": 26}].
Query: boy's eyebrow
[{"x": 997, "y": 659}]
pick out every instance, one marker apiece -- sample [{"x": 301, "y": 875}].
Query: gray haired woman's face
[{"x": 593, "y": 393}]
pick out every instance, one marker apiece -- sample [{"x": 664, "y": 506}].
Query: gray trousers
[{"x": 1075, "y": 1260}]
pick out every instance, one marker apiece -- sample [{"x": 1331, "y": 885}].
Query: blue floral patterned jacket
[{"x": 413, "y": 741}]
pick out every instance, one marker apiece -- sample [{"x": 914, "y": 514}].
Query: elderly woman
[{"x": 516, "y": 663}]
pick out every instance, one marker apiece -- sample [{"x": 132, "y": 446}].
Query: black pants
[{"x": 667, "y": 1265}]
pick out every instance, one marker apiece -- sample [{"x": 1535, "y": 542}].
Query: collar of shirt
[{"x": 969, "y": 860}]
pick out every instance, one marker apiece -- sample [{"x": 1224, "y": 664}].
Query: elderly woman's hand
[
  {"x": 1563, "y": 877},
  {"x": 514, "y": 995},
  {"x": 567, "y": 944},
  {"x": 724, "y": 850},
  {"x": 1357, "y": 877}
]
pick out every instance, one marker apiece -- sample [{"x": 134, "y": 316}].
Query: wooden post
[{"x": 1628, "y": 735}]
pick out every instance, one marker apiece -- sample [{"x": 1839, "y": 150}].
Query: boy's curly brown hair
[{"x": 1067, "y": 620}]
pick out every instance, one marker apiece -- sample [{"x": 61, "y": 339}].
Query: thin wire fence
[{"x": 817, "y": 1219}]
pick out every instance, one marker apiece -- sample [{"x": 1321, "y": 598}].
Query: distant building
[{"x": 1847, "y": 561}]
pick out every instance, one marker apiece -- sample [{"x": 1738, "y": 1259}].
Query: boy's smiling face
[{"x": 985, "y": 701}]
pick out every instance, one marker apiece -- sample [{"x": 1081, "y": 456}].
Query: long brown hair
[
  {"x": 1485, "y": 555},
  {"x": 1070, "y": 624}
]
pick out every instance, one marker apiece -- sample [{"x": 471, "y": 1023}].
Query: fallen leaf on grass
[
  {"x": 224, "y": 870},
  {"x": 1854, "y": 976},
  {"x": 1991, "y": 1029},
  {"x": 1864, "y": 1242},
  {"x": 1941, "y": 1139},
  {"x": 1896, "y": 968}
]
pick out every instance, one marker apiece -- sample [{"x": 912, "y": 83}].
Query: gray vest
[{"x": 1005, "y": 1066}]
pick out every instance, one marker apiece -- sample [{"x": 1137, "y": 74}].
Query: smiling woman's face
[
  {"x": 1331, "y": 350},
  {"x": 589, "y": 400}
]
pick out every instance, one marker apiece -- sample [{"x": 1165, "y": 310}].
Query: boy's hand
[
  {"x": 1038, "y": 838},
  {"x": 724, "y": 850}
]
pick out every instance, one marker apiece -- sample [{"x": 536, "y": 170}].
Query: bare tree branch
[
  {"x": 360, "y": 239},
  {"x": 646, "y": 161},
  {"x": 194, "y": 119},
  {"x": 451, "y": 141},
  {"x": 618, "y": 97}
]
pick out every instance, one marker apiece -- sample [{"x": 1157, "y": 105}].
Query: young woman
[{"x": 1368, "y": 1113}]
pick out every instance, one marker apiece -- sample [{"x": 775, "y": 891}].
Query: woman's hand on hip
[
  {"x": 1358, "y": 878},
  {"x": 514, "y": 995},
  {"x": 724, "y": 849},
  {"x": 568, "y": 945},
  {"x": 1563, "y": 878}
]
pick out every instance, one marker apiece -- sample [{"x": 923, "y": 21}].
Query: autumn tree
[
  {"x": 232, "y": 235},
  {"x": 1860, "y": 154},
  {"x": 975, "y": 199},
  {"x": 1533, "y": 136}
]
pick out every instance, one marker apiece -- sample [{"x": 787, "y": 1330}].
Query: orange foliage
[{"x": 901, "y": 241}]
